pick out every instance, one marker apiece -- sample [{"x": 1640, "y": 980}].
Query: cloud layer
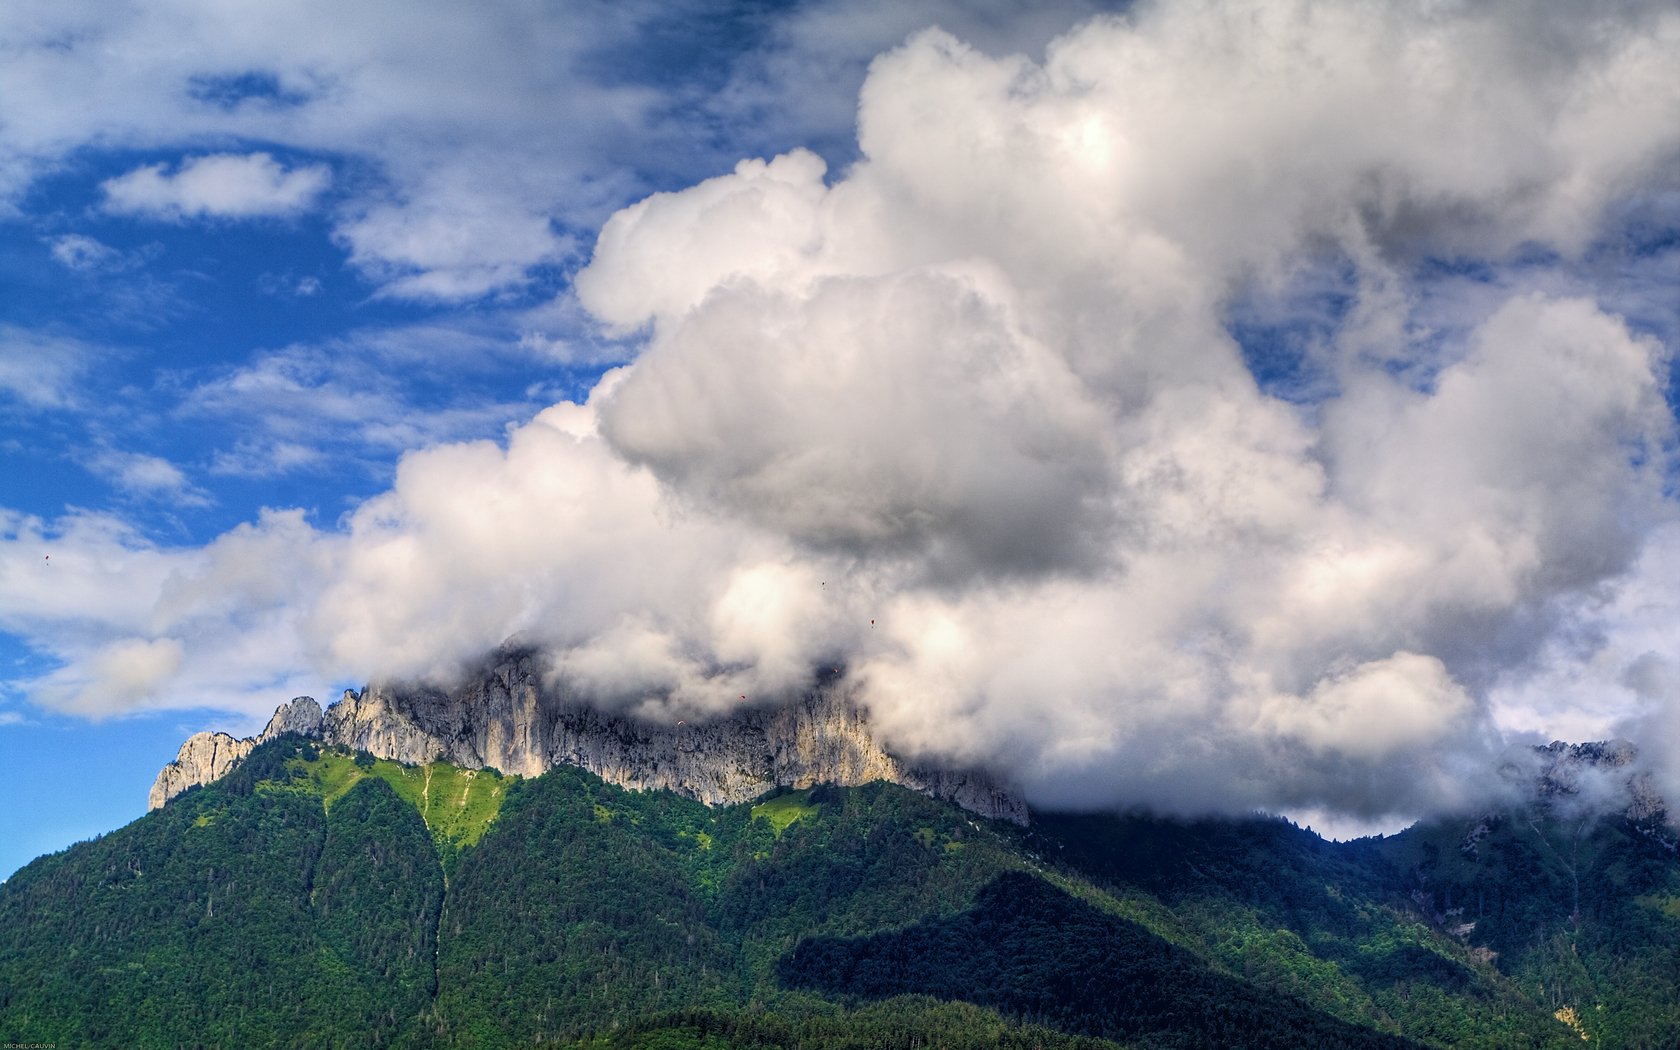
[{"x": 967, "y": 419}]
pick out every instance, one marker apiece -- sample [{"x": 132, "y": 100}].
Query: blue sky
[{"x": 1272, "y": 380}]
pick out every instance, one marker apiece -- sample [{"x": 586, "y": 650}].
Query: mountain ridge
[{"x": 506, "y": 718}]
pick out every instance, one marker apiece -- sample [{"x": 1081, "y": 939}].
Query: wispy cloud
[
  {"x": 83, "y": 254},
  {"x": 258, "y": 459},
  {"x": 147, "y": 477},
  {"x": 354, "y": 400},
  {"x": 447, "y": 243},
  {"x": 220, "y": 185},
  {"x": 289, "y": 284},
  {"x": 42, "y": 370}
]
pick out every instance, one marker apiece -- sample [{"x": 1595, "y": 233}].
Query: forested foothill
[{"x": 316, "y": 897}]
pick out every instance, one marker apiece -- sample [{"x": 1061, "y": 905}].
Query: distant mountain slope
[
  {"x": 1031, "y": 949},
  {"x": 1581, "y": 911},
  {"x": 316, "y": 897}
]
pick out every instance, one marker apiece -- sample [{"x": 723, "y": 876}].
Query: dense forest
[{"x": 318, "y": 898}]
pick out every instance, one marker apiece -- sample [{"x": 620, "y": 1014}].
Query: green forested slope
[
  {"x": 323, "y": 899},
  {"x": 222, "y": 920},
  {"x": 1583, "y": 914},
  {"x": 1332, "y": 924}
]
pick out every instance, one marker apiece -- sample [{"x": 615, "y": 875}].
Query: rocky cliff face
[
  {"x": 203, "y": 757},
  {"x": 505, "y": 718},
  {"x": 210, "y": 756}
]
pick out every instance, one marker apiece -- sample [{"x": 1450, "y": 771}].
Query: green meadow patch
[
  {"x": 783, "y": 810},
  {"x": 456, "y": 804}
]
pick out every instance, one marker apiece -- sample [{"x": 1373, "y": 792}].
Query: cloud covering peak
[{"x": 969, "y": 420}]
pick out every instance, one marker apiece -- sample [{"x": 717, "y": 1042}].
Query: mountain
[
  {"x": 319, "y": 895},
  {"x": 508, "y": 717}
]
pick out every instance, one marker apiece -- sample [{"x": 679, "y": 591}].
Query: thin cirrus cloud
[
  {"x": 347, "y": 401},
  {"x": 43, "y": 370},
  {"x": 220, "y": 185},
  {"x": 266, "y": 459},
  {"x": 83, "y": 254}
]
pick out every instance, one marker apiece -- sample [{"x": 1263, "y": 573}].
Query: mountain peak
[
  {"x": 300, "y": 715},
  {"x": 1599, "y": 775}
]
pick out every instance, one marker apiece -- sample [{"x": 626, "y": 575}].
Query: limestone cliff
[
  {"x": 203, "y": 757},
  {"x": 507, "y": 719},
  {"x": 301, "y": 715},
  {"x": 210, "y": 756}
]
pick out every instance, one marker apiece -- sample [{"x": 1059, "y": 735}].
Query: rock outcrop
[
  {"x": 506, "y": 718},
  {"x": 203, "y": 757},
  {"x": 1600, "y": 776},
  {"x": 301, "y": 715},
  {"x": 210, "y": 756}
]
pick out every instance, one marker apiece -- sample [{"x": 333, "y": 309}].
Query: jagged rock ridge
[
  {"x": 1601, "y": 775},
  {"x": 203, "y": 757},
  {"x": 506, "y": 719},
  {"x": 210, "y": 756}
]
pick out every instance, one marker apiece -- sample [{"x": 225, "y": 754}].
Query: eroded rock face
[
  {"x": 210, "y": 756},
  {"x": 366, "y": 722},
  {"x": 301, "y": 715},
  {"x": 507, "y": 719},
  {"x": 203, "y": 757}
]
